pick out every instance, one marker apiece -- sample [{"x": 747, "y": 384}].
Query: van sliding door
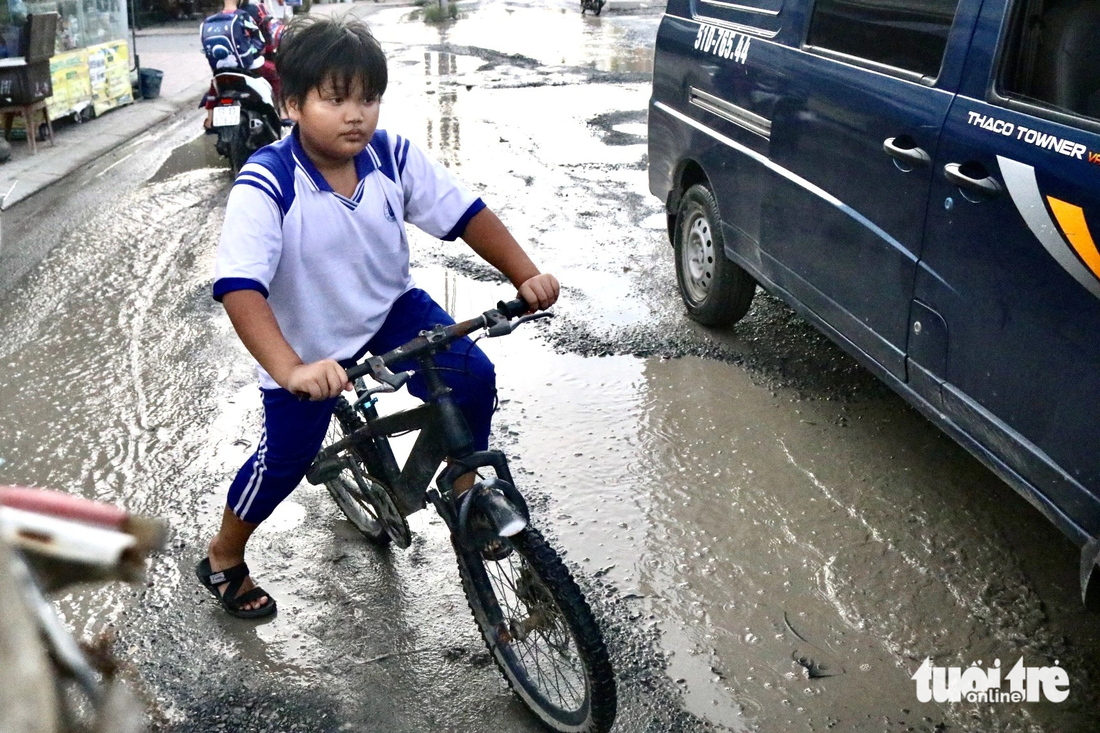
[{"x": 862, "y": 104}]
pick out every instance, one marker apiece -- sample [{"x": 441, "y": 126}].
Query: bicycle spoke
[
  {"x": 559, "y": 675},
  {"x": 546, "y": 647}
]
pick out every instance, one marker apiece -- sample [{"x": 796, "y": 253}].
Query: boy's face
[{"x": 335, "y": 125}]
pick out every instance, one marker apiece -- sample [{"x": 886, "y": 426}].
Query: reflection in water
[
  {"x": 636, "y": 59},
  {"x": 443, "y": 132}
]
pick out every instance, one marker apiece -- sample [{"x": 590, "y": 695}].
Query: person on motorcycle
[{"x": 233, "y": 40}]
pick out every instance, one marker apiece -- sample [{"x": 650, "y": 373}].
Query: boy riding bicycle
[{"x": 313, "y": 271}]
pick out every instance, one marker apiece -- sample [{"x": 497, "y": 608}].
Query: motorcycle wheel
[
  {"x": 599, "y": 6},
  {"x": 238, "y": 146}
]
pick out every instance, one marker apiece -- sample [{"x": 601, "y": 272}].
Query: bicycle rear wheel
[
  {"x": 345, "y": 489},
  {"x": 543, "y": 638}
]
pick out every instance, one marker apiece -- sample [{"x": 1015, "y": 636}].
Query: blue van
[{"x": 920, "y": 179}]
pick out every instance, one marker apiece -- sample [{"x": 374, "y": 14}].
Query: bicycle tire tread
[{"x": 590, "y": 644}]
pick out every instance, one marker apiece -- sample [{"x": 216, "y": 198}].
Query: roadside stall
[{"x": 90, "y": 65}]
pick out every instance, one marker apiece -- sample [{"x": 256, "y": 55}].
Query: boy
[{"x": 313, "y": 271}]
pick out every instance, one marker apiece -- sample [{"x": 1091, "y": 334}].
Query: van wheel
[{"x": 716, "y": 291}]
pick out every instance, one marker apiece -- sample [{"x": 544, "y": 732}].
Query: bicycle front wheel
[{"x": 541, "y": 632}]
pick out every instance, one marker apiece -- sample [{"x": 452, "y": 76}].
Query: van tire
[{"x": 716, "y": 291}]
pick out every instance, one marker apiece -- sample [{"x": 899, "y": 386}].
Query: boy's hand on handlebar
[
  {"x": 320, "y": 380},
  {"x": 540, "y": 292}
]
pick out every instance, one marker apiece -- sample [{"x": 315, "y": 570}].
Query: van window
[
  {"x": 1052, "y": 55},
  {"x": 905, "y": 34}
]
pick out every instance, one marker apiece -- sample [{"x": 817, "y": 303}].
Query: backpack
[{"x": 227, "y": 40}]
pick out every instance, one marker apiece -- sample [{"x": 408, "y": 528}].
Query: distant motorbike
[
  {"x": 245, "y": 118},
  {"x": 594, "y": 5}
]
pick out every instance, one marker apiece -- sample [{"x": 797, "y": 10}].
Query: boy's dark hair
[{"x": 340, "y": 51}]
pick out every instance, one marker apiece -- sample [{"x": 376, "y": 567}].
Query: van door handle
[
  {"x": 905, "y": 149},
  {"x": 976, "y": 179}
]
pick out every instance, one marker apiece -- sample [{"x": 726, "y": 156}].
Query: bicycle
[{"x": 534, "y": 619}]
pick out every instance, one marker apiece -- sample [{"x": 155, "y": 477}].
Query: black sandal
[{"x": 229, "y": 600}]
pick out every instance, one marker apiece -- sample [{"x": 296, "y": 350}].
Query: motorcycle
[
  {"x": 245, "y": 118},
  {"x": 594, "y": 5}
]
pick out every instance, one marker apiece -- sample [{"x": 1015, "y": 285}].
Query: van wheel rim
[{"x": 698, "y": 258}]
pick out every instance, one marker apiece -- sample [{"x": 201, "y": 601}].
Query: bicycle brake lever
[
  {"x": 504, "y": 328},
  {"x": 396, "y": 381},
  {"x": 533, "y": 317},
  {"x": 368, "y": 395},
  {"x": 382, "y": 374},
  {"x": 499, "y": 329}
]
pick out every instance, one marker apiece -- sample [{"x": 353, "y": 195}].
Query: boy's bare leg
[{"x": 227, "y": 549}]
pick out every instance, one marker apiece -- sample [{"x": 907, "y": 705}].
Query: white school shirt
[{"x": 331, "y": 267}]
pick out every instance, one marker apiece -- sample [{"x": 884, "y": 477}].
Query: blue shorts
[{"x": 294, "y": 429}]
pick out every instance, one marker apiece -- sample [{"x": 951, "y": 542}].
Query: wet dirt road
[{"x": 771, "y": 539}]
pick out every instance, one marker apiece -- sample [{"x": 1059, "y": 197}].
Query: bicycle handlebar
[
  {"x": 498, "y": 322},
  {"x": 513, "y": 308}
]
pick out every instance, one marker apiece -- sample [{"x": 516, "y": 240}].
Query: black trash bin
[{"x": 149, "y": 83}]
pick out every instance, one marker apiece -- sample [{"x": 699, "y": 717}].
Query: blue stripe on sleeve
[
  {"x": 278, "y": 160},
  {"x": 381, "y": 145},
  {"x": 241, "y": 181},
  {"x": 460, "y": 226},
  {"x": 402, "y": 155},
  {"x": 254, "y": 178},
  {"x": 230, "y": 284}
]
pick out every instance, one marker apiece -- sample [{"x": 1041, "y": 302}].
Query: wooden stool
[{"x": 28, "y": 111}]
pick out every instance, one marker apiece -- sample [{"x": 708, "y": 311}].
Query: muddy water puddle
[
  {"x": 195, "y": 155},
  {"x": 800, "y": 558},
  {"x": 797, "y": 582},
  {"x": 797, "y": 558}
]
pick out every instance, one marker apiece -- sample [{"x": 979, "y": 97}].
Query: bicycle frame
[{"x": 444, "y": 435}]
